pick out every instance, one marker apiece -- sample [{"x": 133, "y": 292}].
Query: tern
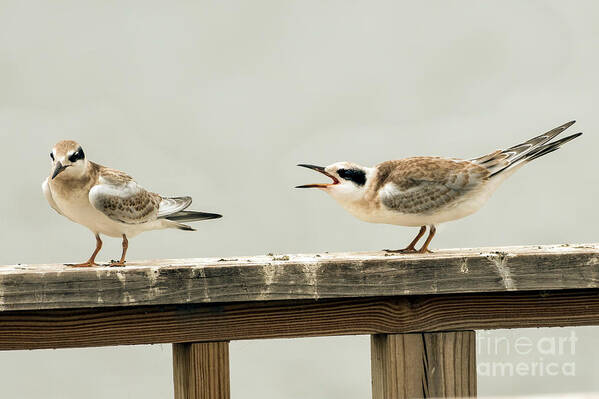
[
  {"x": 426, "y": 191},
  {"x": 108, "y": 201}
]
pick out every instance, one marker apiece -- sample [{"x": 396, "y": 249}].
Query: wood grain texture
[
  {"x": 289, "y": 319},
  {"x": 424, "y": 365},
  {"x": 201, "y": 370},
  {"x": 297, "y": 277}
]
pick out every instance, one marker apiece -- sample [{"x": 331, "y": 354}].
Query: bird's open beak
[
  {"x": 321, "y": 170},
  {"x": 59, "y": 168}
]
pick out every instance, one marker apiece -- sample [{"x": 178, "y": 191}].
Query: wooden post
[
  {"x": 201, "y": 370},
  {"x": 423, "y": 365}
]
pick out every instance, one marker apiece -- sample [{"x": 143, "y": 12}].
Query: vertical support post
[
  {"x": 423, "y": 365},
  {"x": 201, "y": 370}
]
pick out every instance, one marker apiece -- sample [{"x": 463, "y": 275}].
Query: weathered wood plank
[
  {"x": 201, "y": 370},
  {"x": 296, "y": 277},
  {"x": 254, "y": 320},
  {"x": 424, "y": 365}
]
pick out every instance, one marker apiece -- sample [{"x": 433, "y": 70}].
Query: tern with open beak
[
  {"x": 108, "y": 201},
  {"x": 426, "y": 191}
]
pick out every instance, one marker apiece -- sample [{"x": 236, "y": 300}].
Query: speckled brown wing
[
  {"x": 424, "y": 185},
  {"x": 120, "y": 198}
]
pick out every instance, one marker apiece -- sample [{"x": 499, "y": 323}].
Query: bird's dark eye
[
  {"x": 355, "y": 175},
  {"x": 52, "y": 155},
  {"x": 77, "y": 155}
]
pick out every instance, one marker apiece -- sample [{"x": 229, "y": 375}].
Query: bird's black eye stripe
[
  {"x": 77, "y": 155},
  {"x": 356, "y": 175},
  {"x": 52, "y": 155}
]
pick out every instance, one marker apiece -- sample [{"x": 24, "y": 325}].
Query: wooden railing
[{"x": 421, "y": 310}]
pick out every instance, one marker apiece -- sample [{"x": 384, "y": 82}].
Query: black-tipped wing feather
[
  {"x": 503, "y": 160},
  {"x": 550, "y": 147},
  {"x": 192, "y": 216}
]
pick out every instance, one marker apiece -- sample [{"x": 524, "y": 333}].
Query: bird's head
[
  {"x": 68, "y": 160},
  {"x": 349, "y": 180}
]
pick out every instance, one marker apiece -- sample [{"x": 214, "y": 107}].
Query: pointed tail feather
[{"x": 184, "y": 227}]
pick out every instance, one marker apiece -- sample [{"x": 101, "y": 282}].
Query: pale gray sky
[{"x": 220, "y": 100}]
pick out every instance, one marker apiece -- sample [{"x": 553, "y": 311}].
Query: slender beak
[
  {"x": 59, "y": 168},
  {"x": 321, "y": 170}
]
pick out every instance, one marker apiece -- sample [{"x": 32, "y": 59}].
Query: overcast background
[{"x": 220, "y": 100}]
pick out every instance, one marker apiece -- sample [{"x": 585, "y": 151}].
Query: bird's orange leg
[
  {"x": 92, "y": 260},
  {"x": 431, "y": 234},
  {"x": 412, "y": 246},
  {"x": 125, "y": 246}
]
